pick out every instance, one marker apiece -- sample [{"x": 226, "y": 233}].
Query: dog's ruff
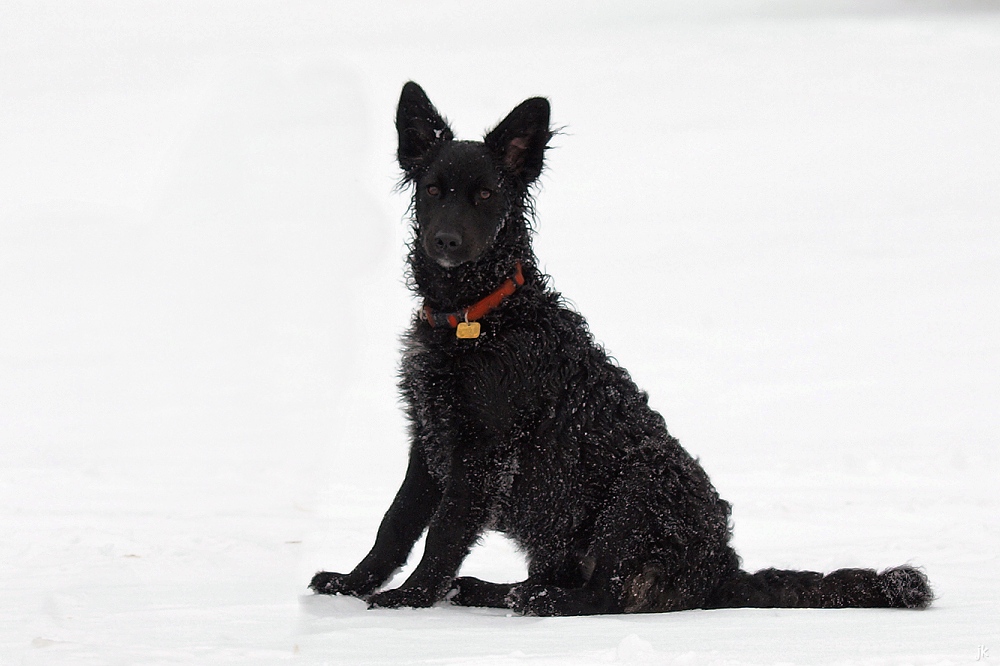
[{"x": 477, "y": 310}]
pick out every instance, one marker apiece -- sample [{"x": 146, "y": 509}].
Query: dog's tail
[{"x": 898, "y": 587}]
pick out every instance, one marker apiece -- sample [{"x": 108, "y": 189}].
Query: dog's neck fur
[{"x": 454, "y": 288}]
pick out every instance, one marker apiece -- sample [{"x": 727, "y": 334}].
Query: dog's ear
[
  {"x": 420, "y": 128},
  {"x": 519, "y": 141}
]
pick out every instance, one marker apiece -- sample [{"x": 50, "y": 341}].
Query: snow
[{"x": 781, "y": 217}]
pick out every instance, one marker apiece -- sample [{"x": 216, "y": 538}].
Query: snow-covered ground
[{"x": 781, "y": 216}]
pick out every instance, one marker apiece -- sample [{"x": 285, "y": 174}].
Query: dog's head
[{"x": 466, "y": 191}]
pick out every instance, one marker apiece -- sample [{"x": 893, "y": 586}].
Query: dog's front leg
[
  {"x": 457, "y": 523},
  {"x": 406, "y": 518}
]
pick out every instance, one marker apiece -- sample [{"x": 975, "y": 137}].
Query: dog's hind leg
[
  {"x": 618, "y": 543},
  {"x": 654, "y": 548},
  {"x": 595, "y": 598},
  {"x": 471, "y": 591},
  {"x": 561, "y": 568}
]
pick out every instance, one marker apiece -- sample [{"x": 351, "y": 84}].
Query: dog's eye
[
  {"x": 433, "y": 190},
  {"x": 485, "y": 193}
]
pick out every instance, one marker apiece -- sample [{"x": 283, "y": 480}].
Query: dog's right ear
[{"x": 420, "y": 128}]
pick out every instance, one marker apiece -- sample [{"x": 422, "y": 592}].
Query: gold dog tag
[{"x": 467, "y": 330}]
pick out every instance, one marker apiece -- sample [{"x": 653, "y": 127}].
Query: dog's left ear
[{"x": 519, "y": 141}]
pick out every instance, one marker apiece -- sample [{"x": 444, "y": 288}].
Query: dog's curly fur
[{"x": 532, "y": 430}]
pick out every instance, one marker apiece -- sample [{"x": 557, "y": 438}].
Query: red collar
[{"x": 477, "y": 310}]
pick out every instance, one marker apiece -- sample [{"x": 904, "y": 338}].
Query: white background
[{"x": 781, "y": 217}]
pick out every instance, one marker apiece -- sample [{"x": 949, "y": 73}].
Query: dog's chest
[
  {"x": 466, "y": 384},
  {"x": 489, "y": 399},
  {"x": 470, "y": 397}
]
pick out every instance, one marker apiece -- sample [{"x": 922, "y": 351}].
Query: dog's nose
[{"x": 447, "y": 241}]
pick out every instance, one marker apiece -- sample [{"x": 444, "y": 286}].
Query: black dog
[{"x": 521, "y": 423}]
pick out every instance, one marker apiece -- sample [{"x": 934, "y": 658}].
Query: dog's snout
[
  {"x": 449, "y": 246},
  {"x": 447, "y": 241}
]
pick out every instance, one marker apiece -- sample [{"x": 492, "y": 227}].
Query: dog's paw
[
  {"x": 469, "y": 591},
  {"x": 414, "y": 597},
  {"x": 463, "y": 591},
  {"x": 328, "y": 582},
  {"x": 537, "y": 600}
]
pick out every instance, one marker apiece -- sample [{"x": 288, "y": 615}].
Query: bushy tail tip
[{"x": 906, "y": 587}]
